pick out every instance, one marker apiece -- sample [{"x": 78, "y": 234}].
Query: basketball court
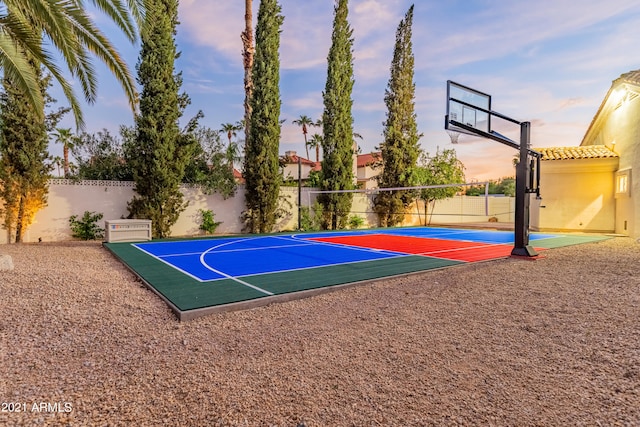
[
  {"x": 202, "y": 276},
  {"x": 196, "y": 277}
]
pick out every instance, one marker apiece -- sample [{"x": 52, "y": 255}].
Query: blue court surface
[{"x": 206, "y": 260}]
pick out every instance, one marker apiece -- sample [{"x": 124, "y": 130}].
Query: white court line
[
  {"x": 208, "y": 267},
  {"x": 392, "y": 254},
  {"x": 461, "y": 249},
  {"x": 355, "y": 248},
  {"x": 228, "y": 276},
  {"x": 399, "y": 255},
  {"x": 440, "y": 236},
  {"x": 169, "y": 264},
  {"x": 235, "y": 279},
  {"x": 239, "y": 250}
]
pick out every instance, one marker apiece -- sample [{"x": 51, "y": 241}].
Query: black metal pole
[
  {"x": 521, "y": 247},
  {"x": 299, "y": 193}
]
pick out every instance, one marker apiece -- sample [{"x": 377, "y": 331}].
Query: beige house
[
  {"x": 368, "y": 167},
  {"x": 365, "y": 166},
  {"x": 289, "y": 164},
  {"x": 590, "y": 187}
]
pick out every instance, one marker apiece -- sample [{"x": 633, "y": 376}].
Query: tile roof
[
  {"x": 581, "y": 152},
  {"x": 291, "y": 157},
  {"x": 631, "y": 77},
  {"x": 368, "y": 159},
  {"x": 237, "y": 175}
]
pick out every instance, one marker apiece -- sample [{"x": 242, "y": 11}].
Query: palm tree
[
  {"x": 68, "y": 27},
  {"x": 248, "y": 53},
  {"x": 316, "y": 142},
  {"x": 304, "y": 121},
  {"x": 64, "y": 137},
  {"x": 231, "y": 129},
  {"x": 232, "y": 154},
  {"x": 57, "y": 162},
  {"x": 356, "y": 147}
]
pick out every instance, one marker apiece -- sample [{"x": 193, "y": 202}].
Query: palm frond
[
  {"x": 92, "y": 39},
  {"x": 28, "y": 24},
  {"x": 19, "y": 71}
]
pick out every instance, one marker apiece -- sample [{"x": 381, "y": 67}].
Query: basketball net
[{"x": 454, "y": 136}]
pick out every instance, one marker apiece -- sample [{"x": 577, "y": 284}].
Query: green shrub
[
  {"x": 306, "y": 222},
  {"x": 310, "y": 219},
  {"x": 356, "y": 221},
  {"x": 208, "y": 224},
  {"x": 86, "y": 228}
]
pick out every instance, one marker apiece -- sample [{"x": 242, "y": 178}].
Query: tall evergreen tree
[
  {"x": 337, "y": 123},
  {"x": 24, "y": 168},
  {"x": 400, "y": 149},
  {"x": 160, "y": 152},
  {"x": 261, "y": 167}
]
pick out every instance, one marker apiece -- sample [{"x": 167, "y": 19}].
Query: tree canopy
[
  {"x": 439, "y": 169},
  {"x": 261, "y": 165},
  {"x": 338, "y": 144},
  {"x": 161, "y": 151},
  {"x": 400, "y": 148},
  {"x": 24, "y": 166}
]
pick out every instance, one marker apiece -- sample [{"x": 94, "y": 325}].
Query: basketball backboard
[{"x": 469, "y": 107}]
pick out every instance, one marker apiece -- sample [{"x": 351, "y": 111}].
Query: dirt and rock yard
[{"x": 551, "y": 342}]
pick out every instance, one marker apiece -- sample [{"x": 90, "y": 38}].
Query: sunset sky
[{"x": 549, "y": 62}]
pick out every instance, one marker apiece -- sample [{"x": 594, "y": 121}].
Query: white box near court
[{"x": 127, "y": 230}]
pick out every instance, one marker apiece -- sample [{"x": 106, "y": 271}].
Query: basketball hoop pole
[
  {"x": 461, "y": 116},
  {"x": 523, "y": 171}
]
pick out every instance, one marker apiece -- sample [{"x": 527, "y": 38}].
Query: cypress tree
[
  {"x": 160, "y": 153},
  {"x": 400, "y": 149},
  {"x": 261, "y": 167},
  {"x": 24, "y": 168},
  {"x": 337, "y": 123}
]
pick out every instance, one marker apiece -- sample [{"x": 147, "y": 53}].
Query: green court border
[{"x": 189, "y": 298}]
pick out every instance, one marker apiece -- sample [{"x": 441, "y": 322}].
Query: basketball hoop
[{"x": 453, "y": 135}]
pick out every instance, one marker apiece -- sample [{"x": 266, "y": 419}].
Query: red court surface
[{"x": 439, "y": 248}]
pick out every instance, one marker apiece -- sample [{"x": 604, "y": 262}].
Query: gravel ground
[{"x": 508, "y": 342}]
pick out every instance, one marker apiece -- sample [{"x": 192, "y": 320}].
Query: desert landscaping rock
[
  {"x": 6, "y": 263},
  {"x": 550, "y": 342}
]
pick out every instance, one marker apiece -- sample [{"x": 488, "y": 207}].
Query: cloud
[
  {"x": 215, "y": 24},
  {"x": 513, "y": 27},
  {"x": 546, "y": 61},
  {"x": 311, "y": 102}
]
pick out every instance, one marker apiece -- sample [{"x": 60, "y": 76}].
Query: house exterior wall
[
  {"x": 365, "y": 177},
  {"x": 577, "y": 195},
  {"x": 617, "y": 126},
  {"x": 290, "y": 171}
]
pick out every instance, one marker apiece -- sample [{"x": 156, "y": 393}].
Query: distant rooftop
[
  {"x": 581, "y": 152},
  {"x": 631, "y": 77},
  {"x": 291, "y": 157},
  {"x": 368, "y": 159}
]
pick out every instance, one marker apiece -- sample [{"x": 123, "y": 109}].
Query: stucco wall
[
  {"x": 67, "y": 198},
  {"x": 618, "y": 127},
  {"x": 577, "y": 195},
  {"x": 622, "y": 132},
  {"x": 458, "y": 209}
]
